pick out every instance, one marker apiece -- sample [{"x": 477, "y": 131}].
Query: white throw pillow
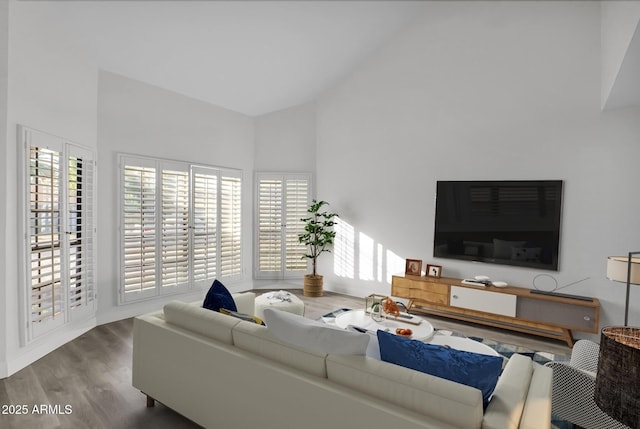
[
  {"x": 314, "y": 335},
  {"x": 373, "y": 349}
]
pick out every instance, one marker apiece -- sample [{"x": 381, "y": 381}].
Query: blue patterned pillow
[
  {"x": 473, "y": 369},
  {"x": 219, "y": 297}
]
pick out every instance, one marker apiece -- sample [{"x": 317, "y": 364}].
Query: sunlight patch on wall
[
  {"x": 395, "y": 265},
  {"x": 359, "y": 254},
  {"x": 343, "y": 250},
  {"x": 380, "y": 263},
  {"x": 366, "y": 257}
]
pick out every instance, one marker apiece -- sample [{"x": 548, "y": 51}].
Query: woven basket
[{"x": 313, "y": 285}]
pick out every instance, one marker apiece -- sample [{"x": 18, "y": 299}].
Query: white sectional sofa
[{"x": 222, "y": 372}]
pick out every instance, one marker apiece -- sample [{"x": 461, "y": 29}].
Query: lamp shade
[
  {"x": 617, "y": 269},
  {"x": 618, "y": 376}
]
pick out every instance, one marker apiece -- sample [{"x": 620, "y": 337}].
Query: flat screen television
[{"x": 509, "y": 222}]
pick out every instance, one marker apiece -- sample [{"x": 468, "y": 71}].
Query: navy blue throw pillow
[
  {"x": 219, "y": 297},
  {"x": 473, "y": 369}
]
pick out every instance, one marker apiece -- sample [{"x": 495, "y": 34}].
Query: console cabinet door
[
  {"x": 482, "y": 300},
  {"x": 568, "y": 315}
]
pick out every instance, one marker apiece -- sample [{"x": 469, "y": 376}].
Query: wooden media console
[{"x": 515, "y": 308}]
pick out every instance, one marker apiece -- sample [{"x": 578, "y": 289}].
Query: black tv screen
[{"x": 515, "y": 222}]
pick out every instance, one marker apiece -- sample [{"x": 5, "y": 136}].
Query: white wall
[
  {"x": 476, "y": 90},
  {"x": 619, "y": 22},
  {"x": 286, "y": 140},
  {"x": 50, "y": 88},
  {"x": 141, "y": 119}
]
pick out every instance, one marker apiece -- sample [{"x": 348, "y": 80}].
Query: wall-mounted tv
[{"x": 510, "y": 222}]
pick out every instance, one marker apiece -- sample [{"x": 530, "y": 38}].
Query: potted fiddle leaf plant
[{"x": 318, "y": 238}]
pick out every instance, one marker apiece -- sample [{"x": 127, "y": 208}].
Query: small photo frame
[
  {"x": 413, "y": 267},
  {"x": 434, "y": 271}
]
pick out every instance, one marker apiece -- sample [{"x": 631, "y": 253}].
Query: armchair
[{"x": 573, "y": 389}]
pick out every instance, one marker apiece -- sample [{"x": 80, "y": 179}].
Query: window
[
  {"x": 180, "y": 226},
  {"x": 59, "y": 232},
  {"x": 282, "y": 200}
]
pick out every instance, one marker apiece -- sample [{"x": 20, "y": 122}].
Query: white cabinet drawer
[{"x": 482, "y": 300}]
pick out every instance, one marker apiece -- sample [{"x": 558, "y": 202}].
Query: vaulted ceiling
[{"x": 253, "y": 57}]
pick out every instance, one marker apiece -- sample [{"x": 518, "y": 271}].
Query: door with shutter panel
[
  {"x": 59, "y": 232},
  {"x": 282, "y": 201}
]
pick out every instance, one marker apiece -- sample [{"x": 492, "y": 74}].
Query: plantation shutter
[
  {"x": 230, "y": 226},
  {"x": 282, "y": 200},
  {"x": 296, "y": 204},
  {"x": 80, "y": 231},
  {"x": 181, "y": 226},
  {"x": 59, "y": 232},
  {"x": 205, "y": 225},
  {"x": 46, "y": 292},
  {"x": 175, "y": 228},
  {"x": 139, "y": 227},
  {"x": 270, "y": 226}
]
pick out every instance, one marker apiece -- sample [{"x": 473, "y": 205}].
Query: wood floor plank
[
  {"x": 24, "y": 390},
  {"x": 92, "y": 374}
]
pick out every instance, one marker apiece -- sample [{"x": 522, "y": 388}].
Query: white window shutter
[
  {"x": 47, "y": 300},
  {"x": 297, "y": 202},
  {"x": 80, "y": 231},
  {"x": 175, "y": 229},
  {"x": 230, "y": 226},
  {"x": 204, "y": 225},
  {"x": 270, "y": 225},
  {"x": 138, "y": 228}
]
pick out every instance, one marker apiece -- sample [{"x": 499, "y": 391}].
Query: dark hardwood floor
[
  {"x": 87, "y": 382},
  {"x": 91, "y": 377}
]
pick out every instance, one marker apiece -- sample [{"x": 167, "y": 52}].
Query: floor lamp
[{"x": 624, "y": 269}]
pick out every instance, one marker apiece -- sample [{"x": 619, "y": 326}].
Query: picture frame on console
[
  {"x": 413, "y": 267},
  {"x": 434, "y": 271}
]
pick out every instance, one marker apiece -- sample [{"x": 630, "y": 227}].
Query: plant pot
[{"x": 312, "y": 285}]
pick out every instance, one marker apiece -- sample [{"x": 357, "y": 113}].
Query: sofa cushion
[
  {"x": 258, "y": 340},
  {"x": 314, "y": 335},
  {"x": 473, "y": 369},
  {"x": 200, "y": 320},
  {"x": 454, "y": 403},
  {"x": 219, "y": 297}
]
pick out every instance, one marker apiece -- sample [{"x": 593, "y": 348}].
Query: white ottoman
[{"x": 282, "y": 300}]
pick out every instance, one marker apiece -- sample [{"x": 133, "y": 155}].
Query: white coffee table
[
  {"x": 461, "y": 343},
  {"x": 359, "y": 318}
]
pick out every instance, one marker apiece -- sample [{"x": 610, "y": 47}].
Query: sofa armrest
[
  {"x": 537, "y": 408},
  {"x": 245, "y": 302},
  {"x": 508, "y": 401}
]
